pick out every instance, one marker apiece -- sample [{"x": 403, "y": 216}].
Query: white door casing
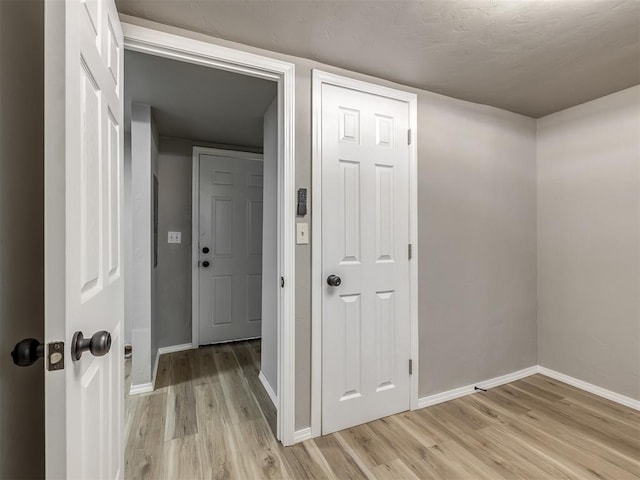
[
  {"x": 365, "y": 208},
  {"x": 210, "y": 54},
  {"x": 83, "y": 235},
  {"x": 230, "y": 227}
]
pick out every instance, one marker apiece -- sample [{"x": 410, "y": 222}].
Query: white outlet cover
[{"x": 175, "y": 237}]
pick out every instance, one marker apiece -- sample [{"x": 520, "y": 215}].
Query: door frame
[
  {"x": 176, "y": 47},
  {"x": 195, "y": 228},
  {"x": 319, "y": 78}
]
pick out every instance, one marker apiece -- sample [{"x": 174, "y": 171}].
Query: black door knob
[
  {"x": 205, "y": 250},
  {"x": 334, "y": 281},
  {"x": 27, "y": 351},
  {"x": 99, "y": 344},
  {"x": 205, "y": 264}
]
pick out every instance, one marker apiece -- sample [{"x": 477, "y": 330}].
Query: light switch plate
[
  {"x": 302, "y": 233},
  {"x": 175, "y": 237}
]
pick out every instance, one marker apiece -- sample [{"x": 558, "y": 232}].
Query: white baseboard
[
  {"x": 175, "y": 348},
  {"x": 142, "y": 388},
  {"x": 147, "y": 387},
  {"x": 267, "y": 387},
  {"x": 591, "y": 388},
  {"x": 512, "y": 377},
  {"x": 302, "y": 435},
  {"x": 469, "y": 389},
  {"x": 508, "y": 378}
]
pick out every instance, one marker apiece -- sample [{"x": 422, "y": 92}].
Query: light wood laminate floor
[{"x": 210, "y": 418}]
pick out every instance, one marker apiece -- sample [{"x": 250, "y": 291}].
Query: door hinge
[
  {"x": 281, "y": 282},
  {"x": 409, "y": 137},
  {"x": 410, "y": 367},
  {"x": 409, "y": 251}
]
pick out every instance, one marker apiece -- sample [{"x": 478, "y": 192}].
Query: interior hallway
[{"x": 211, "y": 418}]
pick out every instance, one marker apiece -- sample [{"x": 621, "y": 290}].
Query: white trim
[
  {"x": 413, "y": 239},
  {"x": 195, "y": 228},
  {"x": 469, "y": 389},
  {"x": 320, "y": 77},
  {"x": 195, "y": 245},
  {"x": 302, "y": 435},
  {"x": 235, "y": 340},
  {"x": 151, "y": 386},
  {"x": 591, "y": 388},
  {"x": 219, "y": 152},
  {"x": 268, "y": 389},
  {"x": 316, "y": 258},
  {"x": 512, "y": 377},
  {"x": 155, "y": 370},
  {"x": 175, "y": 348},
  {"x": 142, "y": 388},
  {"x": 184, "y": 49}
]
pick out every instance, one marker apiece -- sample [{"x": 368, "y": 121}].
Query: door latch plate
[{"x": 55, "y": 356}]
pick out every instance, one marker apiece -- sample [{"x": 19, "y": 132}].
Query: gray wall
[
  {"x": 589, "y": 241},
  {"x": 174, "y": 260},
  {"x": 144, "y": 165},
  {"x": 269, "y": 344},
  {"x": 490, "y": 273},
  {"x": 477, "y": 238},
  {"x": 21, "y": 235}
]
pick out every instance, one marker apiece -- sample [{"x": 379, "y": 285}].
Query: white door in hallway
[
  {"x": 83, "y": 238},
  {"x": 365, "y": 237},
  {"x": 230, "y": 247}
]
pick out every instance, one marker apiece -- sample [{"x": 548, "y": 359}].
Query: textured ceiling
[
  {"x": 198, "y": 103},
  {"x": 528, "y": 56}
]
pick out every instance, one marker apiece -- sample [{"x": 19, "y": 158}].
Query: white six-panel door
[
  {"x": 83, "y": 235},
  {"x": 365, "y": 237},
  {"x": 230, "y": 300}
]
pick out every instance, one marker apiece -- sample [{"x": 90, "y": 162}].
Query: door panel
[
  {"x": 83, "y": 255},
  {"x": 231, "y": 227},
  {"x": 222, "y": 221},
  {"x": 365, "y": 234},
  {"x": 351, "y": 323},
  {"x": 350, "y": 211}
]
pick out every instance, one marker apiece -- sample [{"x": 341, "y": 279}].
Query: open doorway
[{"x": 202, "y": 250}]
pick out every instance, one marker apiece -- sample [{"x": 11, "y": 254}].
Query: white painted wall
[
  {"x": 589, "y": 242},
  {"x": 127, "y": 220},
  {"x": 144, "y": 164},
  {"x": 269, "y": 346}
]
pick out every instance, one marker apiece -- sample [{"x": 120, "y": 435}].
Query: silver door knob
[
  {"x": 99, "y": 344},
  {"x": 334, "y": 281}
]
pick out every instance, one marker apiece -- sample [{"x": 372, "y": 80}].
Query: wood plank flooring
[{"x": 211, "y": 418}]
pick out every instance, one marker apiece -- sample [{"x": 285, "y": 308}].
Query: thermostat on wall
[{"x": 302, "y": 202}]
